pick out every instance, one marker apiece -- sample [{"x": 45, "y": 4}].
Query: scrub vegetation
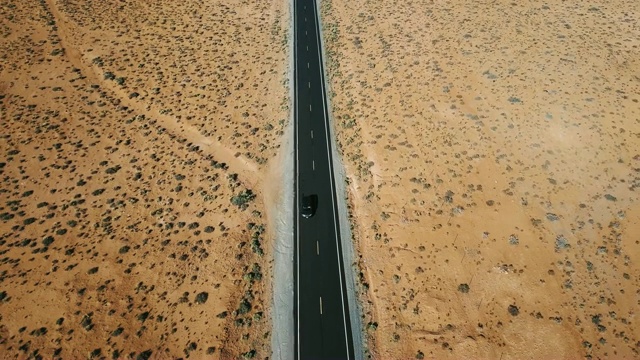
[
  {"x": 136, "y": 136},
  {"x": 493, "y": 167}
]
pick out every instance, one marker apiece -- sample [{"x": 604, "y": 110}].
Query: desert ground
[
  {"x": 493, "y": 158},
  {"x": 137, "y": 138}
]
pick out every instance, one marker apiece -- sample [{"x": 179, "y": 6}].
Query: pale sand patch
[{"x": 492, "y": 154}]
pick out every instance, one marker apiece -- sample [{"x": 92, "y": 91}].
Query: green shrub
[
  {"x": 142, "y": 317},
  {"x": 222, "y": 315},
  {"x": 95, "y": 354},
  {"x": 145, "y": 355},
  {"x": 202, "y": 297},
  {"x": 245, "y": 307},
  {"x": 47, "y": 240},
  {"x": 463, "y": 288},
  {"x": 249, "y": 354},
  {"x": 242, "y": 199}
]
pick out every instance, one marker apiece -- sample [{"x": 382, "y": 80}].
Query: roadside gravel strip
[
  {"x": 282, "y": 341},
  {"x": 350, "y": 266}
]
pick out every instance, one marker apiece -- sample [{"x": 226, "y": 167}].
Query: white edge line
[
  {"x": 297, "y": 110},
  {"x": 335, "y": 225}
]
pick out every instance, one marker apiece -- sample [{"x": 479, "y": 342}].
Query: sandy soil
[
  {"x": 135, "y": 138},
  {"x": 493, "y": 159}
]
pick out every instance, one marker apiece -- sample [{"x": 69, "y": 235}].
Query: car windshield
[{"x": 306, "y": 203}]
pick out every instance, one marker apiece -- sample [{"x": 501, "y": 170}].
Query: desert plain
[
  {"x": 137, "y": 138},
  {"x": 492, "y": 153},
  {"x": 491, "y": 149}
]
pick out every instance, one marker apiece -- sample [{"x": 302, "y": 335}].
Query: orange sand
[
  {"x": 493, "y": 158},
  {"x": 128, "y": 128}
]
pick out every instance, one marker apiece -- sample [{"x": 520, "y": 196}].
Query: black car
[{"x": 309, "y": 205}]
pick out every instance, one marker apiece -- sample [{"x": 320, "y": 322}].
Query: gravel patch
[{"x": 282, "y": 340}]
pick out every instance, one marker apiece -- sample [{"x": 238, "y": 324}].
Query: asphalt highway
[{"x": 321, "y": 316}]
